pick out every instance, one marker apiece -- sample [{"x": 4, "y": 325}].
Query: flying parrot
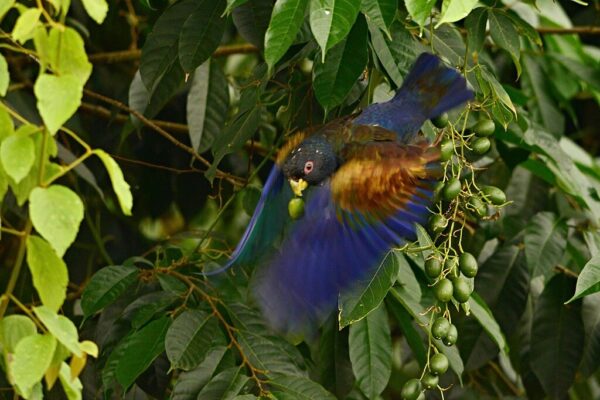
[{"x": 365, "y": 179}]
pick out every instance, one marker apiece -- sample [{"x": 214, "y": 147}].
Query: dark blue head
[{"x": 312, "y": 161}]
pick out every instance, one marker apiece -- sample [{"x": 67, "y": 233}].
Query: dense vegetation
[{"x": 134, "y": 140}]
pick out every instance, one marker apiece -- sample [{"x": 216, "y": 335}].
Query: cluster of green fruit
[{"x": 451, "y": 271}]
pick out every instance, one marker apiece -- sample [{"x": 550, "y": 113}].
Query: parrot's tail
[{"x": 435, "y": 87}]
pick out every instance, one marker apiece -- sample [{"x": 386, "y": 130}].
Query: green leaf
[
  {"x": 141, "y": 348},
  {"x": 149, "y": 103},
  {"x": 475, "y": 24},
  {"x": 266, "y": 352},
  {"x": 190, "y": 383},
  {"x": 96, "y": 9},
  {"x": 234, "y": 137},
  {"x": 65, "y": 53},
  {"x": 56, "y": 213},
  {"x": 4, "y": 76},
  {"x": 419, "y": 10},
  {"x": 72, "y": 387},
  {"x": 342, "y": 67},
  {"x": 556, "y": 337},
  {"x": 160, "y": 51},
  {"x": 120, "y": 186},
  {"x": 17, "y": 154},
  {"x": 58, "y": 97},
  {"x": 370, "y": 346},
  {"x": 201, "y": 33},
  {"x": 410, "y": 333},
  {"x": 486, "y": 319},
  {"x": 13, "y": 328},
  {"x": 252, "y": 20},
  {"x": 48, "y": 272},
  {"x": 380, "y": 12},
  {"x": 545, "y": 243},
  {"x": 207, "y": 105},
  {"x": 357, "y": 304},
  {"x": 32, "y": 357},
  {"x": 331, "y": 21},
  {"x": 298, "y": 388},
  {"x": 7, "y": 128},
  {"x": 25, "y": 25},
  {"x": 541, "y": 101},
  {"x": 396, "y": 55},
  {"x": 588, "y": 281},
  {"x": 455, "y": 10},
  {"x": 590, "y": 75},
  {"x": 286, "y": 20},
  {"x": 61, "y": 327},
  {"x": 231, "y": 4},
  {"x": 105, "y": 286},
  {"x": 225, "y": 385},
  {"x": 189, "y": 337},
  {"x": 505, "y": 35},
  {"x": 525, "y": 29},
  {"x": 5, "y": 6},
  {"x": 590, "y": 314}
]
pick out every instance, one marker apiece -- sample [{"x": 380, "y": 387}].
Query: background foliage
[{"x": 137, "y": 135}]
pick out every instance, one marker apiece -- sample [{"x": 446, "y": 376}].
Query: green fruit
[
  {"x": 451, "y": 189},
  {"x": 451, "y": 265},
  {"x": 439, "y": 328},
  {"x": 485, "y": 127},
  {"x": 433, "y": 268},
  {"x": 296, "y": 207},
  {"x": 446, "y": 149},
  {"x": 437, "y": 191},
  {"x": 494, "y": 195},
  {"x": 438, "y": 223},
  {"x": 478, "y": 205},
  {"x": 451, "y": 337},
  {"x": 438, "y": 364},
  {"x": 468, "y": 265},
  {"x": 430, "y": 381},
  {"x": 461, "y": 290},
  {"x": 440, "y": 121},
  {"x": 443, "y": 290},
  {"x": 481, "y": 145},
  {"x": 411, "y": 389}
]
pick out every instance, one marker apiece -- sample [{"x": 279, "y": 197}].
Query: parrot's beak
[{"x": 298, "y": 186}]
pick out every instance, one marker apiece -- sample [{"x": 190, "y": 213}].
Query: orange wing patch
[
  {"x": 293, "y": 142},
  {"x": 378, "y": 179}
]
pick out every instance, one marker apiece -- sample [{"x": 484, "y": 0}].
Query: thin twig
[
  {"x": 135, "y": 54},
  {"x": 237, "y": 181}
]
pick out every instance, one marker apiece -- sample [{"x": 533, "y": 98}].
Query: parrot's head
[{"x": 310, "y": 163}]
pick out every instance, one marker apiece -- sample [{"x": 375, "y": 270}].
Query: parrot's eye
[{"x": 308, "y": 167}]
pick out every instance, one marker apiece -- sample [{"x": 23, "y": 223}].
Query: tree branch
[
  {"x": 220, "y": 174},
  {"x": 135, "y": 54}
]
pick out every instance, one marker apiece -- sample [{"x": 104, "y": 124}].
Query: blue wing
[
  {"x": 267, "y": 224},
  {"x": 326, "y": 252},
  {"x": 430, "y": 89}
]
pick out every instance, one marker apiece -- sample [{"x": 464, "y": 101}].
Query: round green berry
[
  {"x": 484, "y": 127},
  {"x": 461, "y": 290},
  {"x": 440, "y": 327},
  {"x": 451, "y": 336},
  {"x": 494, "y": 195},
  {"x": 438, "y": 223},
  {"x": 451, "y": 189},
  {"x": 481, "y": 145},
  {"x": 440, "y": 121},
  {"x": 438, "y": 364},
  {"x": 430, "y": 381},
  {"x": 443, "y": 290},
  {"x": 446, "y": 149},
  {"x": 296, "y": 207},
  {"x": 433, "y": 268},
  {"x": 411, "y": 389},
  {"x": 468, "y": 265}
]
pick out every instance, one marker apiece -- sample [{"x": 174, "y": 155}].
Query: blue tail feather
[{"x": 430, "y": 89}]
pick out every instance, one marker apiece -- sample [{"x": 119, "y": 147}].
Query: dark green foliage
[{"x": 160, "y": 120}]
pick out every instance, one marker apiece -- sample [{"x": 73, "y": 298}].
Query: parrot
[{"x": 366, "y": 180}]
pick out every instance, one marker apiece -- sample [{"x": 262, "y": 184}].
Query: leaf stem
[{"x": 14, "y": 275}]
